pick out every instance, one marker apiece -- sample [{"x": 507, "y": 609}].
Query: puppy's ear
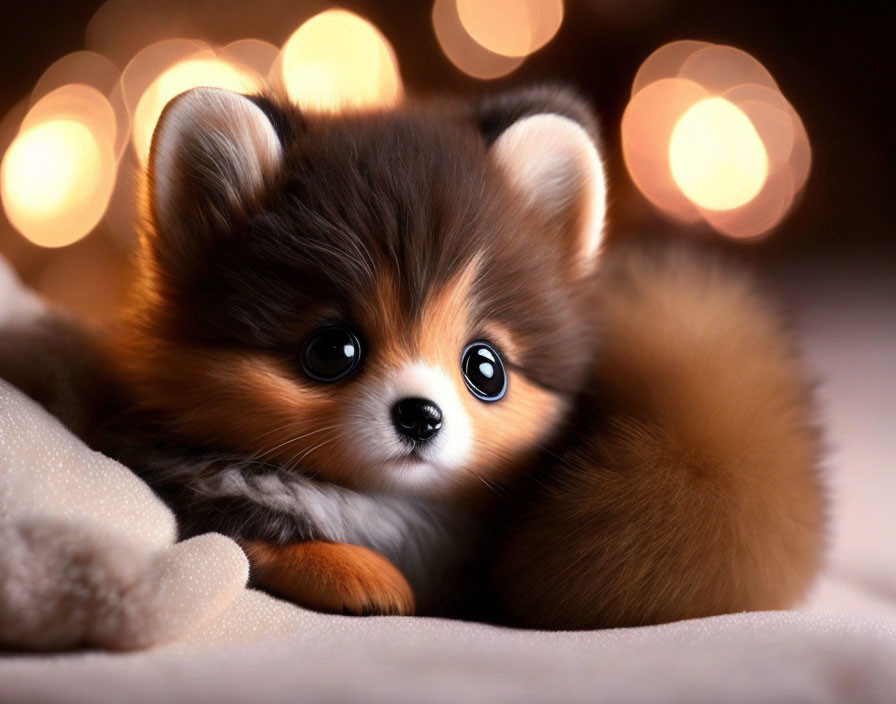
[
  {"x": 544, "y": 141},
  {"x": 213, "y": 152}
]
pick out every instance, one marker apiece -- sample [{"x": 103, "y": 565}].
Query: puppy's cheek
[
  {"x": 510, "y": 430},
  {"x": 253, "y": 406}
]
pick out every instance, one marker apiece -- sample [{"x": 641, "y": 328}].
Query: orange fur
[
  {"x": 697, "y": 494},
  {"x": 691, "y": 489},
  {"x": 257, "y": 404},
  {"x": 332, "y": 577},
  {"x": 507, "y": 432}
]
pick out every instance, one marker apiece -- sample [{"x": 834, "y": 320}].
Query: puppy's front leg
[{"x": 333, "y": 577}]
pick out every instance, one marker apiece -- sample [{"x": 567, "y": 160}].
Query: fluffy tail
[{"x": 694, "y": 490}]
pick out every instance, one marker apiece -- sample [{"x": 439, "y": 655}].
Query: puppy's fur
[
  {"x": 652, "y": 456},
  {"x": 424, "y": 229}
]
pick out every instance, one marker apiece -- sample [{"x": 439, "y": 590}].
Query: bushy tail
[{"x": 695, "y": 490}]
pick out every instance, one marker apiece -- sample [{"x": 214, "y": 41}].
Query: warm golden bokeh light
[
  {"x": 465, "y": 52},
  {"x": 720, "y": 68},
  {"x": 716, "y": 156},
  {"x": 204, "y": 70},
  {"x": 40, "y": 171},
  {"x": 122, "y": 28},
  {"x": 254, "y": 55},
  {"x": 511, "y": 27},
  {"x": 756, "y": 217},
  {"x": 89, "y": 85},
  {"x": 56, "y": 179},
  {"x": 665, "y": 62},
  {"x": 75, "y": 101},
  {"x": 339, "y": 60},
  {"x": 647, "y": 126},
  {"x": 144, "y": 69},
  {"x": 778, "y": 123},
  {"x": 708, "y": 135},
  {"x": 83, "y": 67}
]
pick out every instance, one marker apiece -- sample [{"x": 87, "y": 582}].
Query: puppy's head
[{"x": 392, "y": 301}]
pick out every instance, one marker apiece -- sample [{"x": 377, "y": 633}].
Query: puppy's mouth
[
  {"x": 415, "y": 468},
  {"x": 412, "y": 456}
]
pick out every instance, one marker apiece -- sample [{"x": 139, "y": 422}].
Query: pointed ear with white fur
[
  {"x": 553, "y": 163},
  {"x": 212, "y": 154}
]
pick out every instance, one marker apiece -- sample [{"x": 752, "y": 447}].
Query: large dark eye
[
  {"x": 483, "y": 371},
  {"x": 331, "y": 353}
]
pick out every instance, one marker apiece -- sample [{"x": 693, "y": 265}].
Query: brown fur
[
  {"x": 696, "y": 493},
  {"x": 332, "y": 577},
  {"x": 258, "y": 404},
  {"x": 675, "y": 473}
]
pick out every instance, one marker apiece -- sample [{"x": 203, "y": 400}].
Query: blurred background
[{"x": 760, "y": 129}]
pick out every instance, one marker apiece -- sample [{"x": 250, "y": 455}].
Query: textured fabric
[
  {"x": 87, "y": 552},
  {"x": 264, "y": 650},
  {"x": 839, "y": 646}
]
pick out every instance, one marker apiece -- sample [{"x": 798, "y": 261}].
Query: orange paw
[{"x": 333, "y": 577}]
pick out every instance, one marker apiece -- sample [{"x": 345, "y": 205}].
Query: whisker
[
  {"x": 291, "y": 440},
  {"x": 488, "y": 484},
  {"x": 303, "y": 455},
  {"x": 497, "y": 489},
  {"x": 297, "y": 458},
  {"x": 275, "y": 429},
  {"x": 553, "y": 454}
]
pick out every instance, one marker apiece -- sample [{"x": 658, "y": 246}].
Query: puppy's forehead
[
  {"x": 399, "y": 203},
  {"x": 379, "y": 219},
  {"x": 425, "y": 322}
]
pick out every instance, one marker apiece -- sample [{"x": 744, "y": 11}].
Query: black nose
[{"x": 416, "y": 418}]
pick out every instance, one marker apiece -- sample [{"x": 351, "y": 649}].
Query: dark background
[{"x": 833, "y": 62}]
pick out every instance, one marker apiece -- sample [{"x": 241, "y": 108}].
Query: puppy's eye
[
  {"x": 331, "y": 353},
  {"x": 483, "y": 371}
]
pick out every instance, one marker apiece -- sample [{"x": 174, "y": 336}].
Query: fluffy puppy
[
  {"x": 351, "y": 328},
  {"x": 353, "y": 332}
]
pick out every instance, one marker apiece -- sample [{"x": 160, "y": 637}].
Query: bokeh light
[
  {"x": 85, "y": 67},
  {"x": 254, "y": 55},
  {"x": 665, "y": 62},
  {"x": 339, "y": 60},
  {"x": 465, "y": 52},
  {"x": 204, "y": 69},
  {"x": 121, "y": 28},
  {"x": 718, "y": 68},
  {"x": 145, "y": 67},
  {"x": 647, "y": 125},
  {"x": 91, "y": 69},
  {"x": 716, "y": 155},
  {"x": 40, "y": 172},
  {"x": 708, "y": 135},
  {"x": 58, "y": 174},
  {"x": 511, "y": 27}
]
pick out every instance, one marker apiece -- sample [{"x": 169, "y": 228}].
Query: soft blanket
[
  {"x": 839, "y": 646},
  {"x": 88, "y": 552}
]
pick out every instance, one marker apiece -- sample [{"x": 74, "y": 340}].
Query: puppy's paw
[{"x": 332, "y": 577}]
